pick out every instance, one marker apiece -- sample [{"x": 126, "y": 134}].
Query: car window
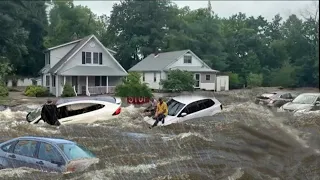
[
  {"x": 8, "y": 146},
  {"x": 49, "y": 153},
  {"x": 25, "y": 148},
  {"x": 74, "y": 151},
  {"x": 208, "y": 103},
  {"x": 318, "y": 99},
  {"x": 174, "y": 107}
]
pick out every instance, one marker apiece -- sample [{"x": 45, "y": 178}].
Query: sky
[{"x": 267, "y": 9}]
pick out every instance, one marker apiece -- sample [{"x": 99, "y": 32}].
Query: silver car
[
  {"x": 305, "y": 101},
  {"x": 46, "y": 154}
]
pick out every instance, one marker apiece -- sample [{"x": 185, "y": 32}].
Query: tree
[
  {"x": 132, "y": 87},
  {"x": 178, "y": 80},
  {"x": 284, "y": 76},
  {"x": 254, "y": 80}
]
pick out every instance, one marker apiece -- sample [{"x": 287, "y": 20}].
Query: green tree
[
  {"x": 178, "y": 80},
  {"x": 234, "y": 81},
  {"x": 284, "y": 76},
  {"x": 254, "y": 80},
  {"x": 68, "y": 91},
  {"x": 132, "y": 87}
]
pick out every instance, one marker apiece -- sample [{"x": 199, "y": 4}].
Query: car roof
[
  {"x": 50, "y": 140},
  {"x": 187, "y": 99},
  {"x": 92, "y": 98},
  {"x": 313, "y": 94}
]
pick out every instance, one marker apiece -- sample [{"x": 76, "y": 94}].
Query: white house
[
  {"x": 85, "y": 63},
  {"x": 156, "y": 66}
]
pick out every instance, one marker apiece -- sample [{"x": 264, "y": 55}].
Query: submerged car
[
  {"x": 46, "y": 154},
  {"x": 183, "y": 108},
  {"x": 305, "y": 101},
  {"x": 81, "y": 109},
  {"x": 275, "y": 99}
]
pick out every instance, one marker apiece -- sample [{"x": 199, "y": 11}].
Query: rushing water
[{"x": 245, "y": 141}]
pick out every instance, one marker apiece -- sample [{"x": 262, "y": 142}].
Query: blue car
[{"x": 46, "y": 154}]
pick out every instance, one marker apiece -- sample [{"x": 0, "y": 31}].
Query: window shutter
[
  {"x": 100, "y": 58},
  {"x": 83, "y": 58}
]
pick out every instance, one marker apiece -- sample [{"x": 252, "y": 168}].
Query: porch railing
[{"x": 100, "y": 90}]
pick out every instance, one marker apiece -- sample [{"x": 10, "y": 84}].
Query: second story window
[
  {"x": 91, "y": 58},
  {"x": 47, "y": 58},
  {"x": 187, "y": 59}
]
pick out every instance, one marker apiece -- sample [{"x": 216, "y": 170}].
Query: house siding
[
  {"x": 77, "y": 59},
  {"x": 207, "y": 84},
  {"x": 57, "y": 54},
  {"x": 149, "y": 79}
]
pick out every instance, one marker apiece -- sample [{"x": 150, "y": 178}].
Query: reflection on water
[{"x": 245, "y": 141}]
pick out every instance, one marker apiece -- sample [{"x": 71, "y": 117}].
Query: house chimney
[{"x": 156, "y": 52}]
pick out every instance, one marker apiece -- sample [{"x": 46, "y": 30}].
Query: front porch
[{"x": 84, "y": 85}]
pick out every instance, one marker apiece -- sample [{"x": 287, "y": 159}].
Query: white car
[
  {"x": 183, "y": 108},
  {"x": 81, "y": 110}
]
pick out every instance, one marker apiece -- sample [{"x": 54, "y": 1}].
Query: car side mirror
[
  {"x": 57, "y": 163},
  {"x": 183, "y": 114},
  {"x": 317, "y": 103}
]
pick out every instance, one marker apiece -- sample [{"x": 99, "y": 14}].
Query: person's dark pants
[{"x": 159, "y": 118}]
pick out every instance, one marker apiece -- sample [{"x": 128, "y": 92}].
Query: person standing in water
[
  {"x": 151, "y": 109},
  {"x": 161, "y": 112},
  {"x": 49, "y": 113}
]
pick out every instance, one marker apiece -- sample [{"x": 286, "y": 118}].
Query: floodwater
[{"x": 244, "y": 142}]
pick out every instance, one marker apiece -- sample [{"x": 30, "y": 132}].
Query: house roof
[
  {"x": 163, "y": 60},
  {"x": 92, "y": 71},
  {"x": 70, "y": 53},
  {"x": 193, "y": 69},
  {"x": 159, "y": 62}
]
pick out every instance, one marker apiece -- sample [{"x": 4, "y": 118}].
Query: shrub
[
  {"x": 3, "y": 91},
  {"x": 234, "y": 81},
  {"x": 132, "y": 87},
  {"x": 68, "y": 91},
  {"x": 284, "y": 77},
  {"x": 178, "y": 81},
  {"x": 36, "y": 91},
  {"x": 254, "y": 80}
]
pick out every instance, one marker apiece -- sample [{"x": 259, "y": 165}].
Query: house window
[
  {"x": 88, "y": 57},
  {"x": 143, "y": 77},
  {"x": 187, "y": 59},
  {"x": 47, "y": 58},
  {"x": 154, "y": 77},
  {"x": 97, "y": 80},
  {"x": 48, "y": 81},
  {"x": 95, "y": 58},
  {"x": 208, "y": 77},
  {"x": 53, "y": 81}
]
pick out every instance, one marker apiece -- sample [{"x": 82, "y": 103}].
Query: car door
[
  {"x": 23, "y": 154},
  {"x": 8, "y": 157},
  {"x": 49, "y": 158},
  {"x": 210, "y": 107},
  {"x": 191, "y": 111}
]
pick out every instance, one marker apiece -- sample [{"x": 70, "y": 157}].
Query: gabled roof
[
  {"x": 159, "y": 62},
  {"x": 163, "y": 60},
  {"x": 76, "y": 49}
]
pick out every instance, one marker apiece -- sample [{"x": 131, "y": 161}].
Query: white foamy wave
[
  {"x": 306, "y": 112},
  {"x": 16, "y": 172},
  {"x": 186, "y": 135},
  {"x": 8, "y": 114}
]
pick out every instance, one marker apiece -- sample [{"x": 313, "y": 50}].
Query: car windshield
[
  {"x": 34, "y": 114},
  {"x": 174, "y": 107},
  {"x": 74, "y": 151},
  {"x": 305, "y": 99}
]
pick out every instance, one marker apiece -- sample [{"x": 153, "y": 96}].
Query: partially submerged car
[
  {"x": 81, "y": 109},
  {"x": 45, "y": 154},
  {"x": 183, "y": 108},
  {"x": 275, "y": 99},
  {"x": 305, "y": 101}
]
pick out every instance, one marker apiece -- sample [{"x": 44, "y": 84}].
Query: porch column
[
  {"x": 87, "y": 88},
  {"x": 107, "y": 79},
  {"x": 64, "y": 80},
  {"x": 50, "y": 85},
  {"x": 57, "y": 86}
]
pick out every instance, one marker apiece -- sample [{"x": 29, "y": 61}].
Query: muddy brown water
[{"x": 244, "y": 142}]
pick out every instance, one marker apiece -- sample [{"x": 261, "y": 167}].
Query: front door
[
  {"x": 74, "y": 82},
  {"x": 197, "y": 79}
]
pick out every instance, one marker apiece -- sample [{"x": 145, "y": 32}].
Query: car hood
[
  {"x": 296, "y": 106},
  {"x": 79, "y": 165}
]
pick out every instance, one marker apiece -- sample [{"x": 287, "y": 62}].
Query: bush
[
  {"x": 284, "y": 77},
  {"x": 68, "y": 91},
  {"x": 132, "y": 87},
  {"x": 254, "y": 80},
  {"x": 36, "y": 91},
  {"x": 178, "y": 81},
  {"x": 4, "y": 92},
  {"x": 234, "y": 81}
]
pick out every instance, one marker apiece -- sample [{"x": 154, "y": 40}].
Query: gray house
[
  {"x": 156, "y": 66},
  {"x": 85, "y": 63}
]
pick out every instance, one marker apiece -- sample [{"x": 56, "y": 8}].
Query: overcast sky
[{"x": 267, "y": 9}]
